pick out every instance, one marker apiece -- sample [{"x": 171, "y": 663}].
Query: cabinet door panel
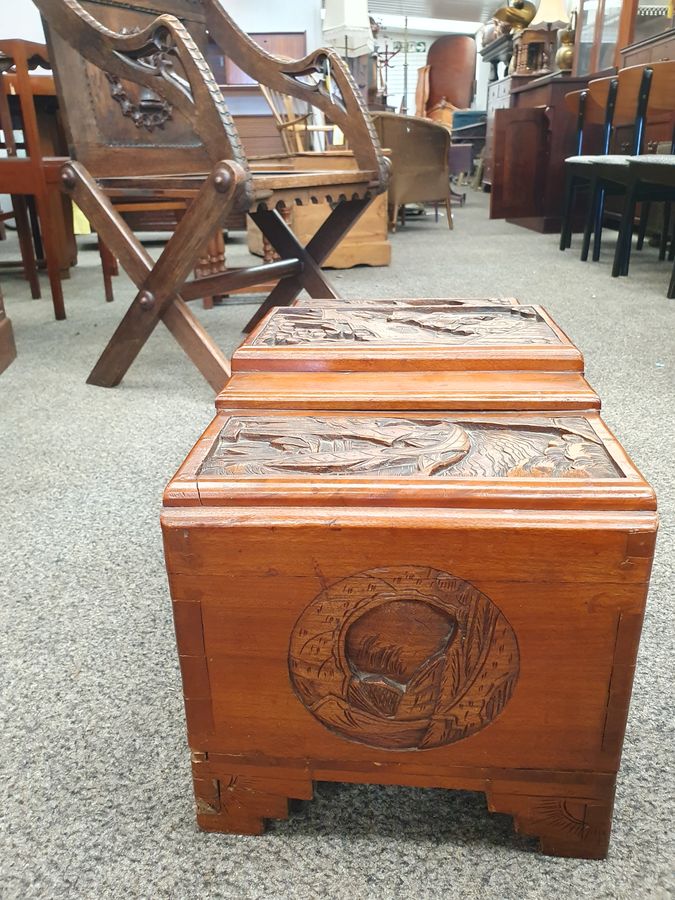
[{"x": 520, "y": 161}]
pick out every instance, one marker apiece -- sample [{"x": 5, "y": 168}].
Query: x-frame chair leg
[
  {"x": 158, "y": 283},
  {"x": 319, "y": 248}
]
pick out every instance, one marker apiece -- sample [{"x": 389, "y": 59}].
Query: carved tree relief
[
  {"x": 403, "y": 658},
  {"x": 514, "y": 325},
  {"x": 384, "y": 446}
]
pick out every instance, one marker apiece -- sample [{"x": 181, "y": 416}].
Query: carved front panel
[
  {"x": 339, "y": 326},
  {"x": 383, "y": 446},
  {"x": 403, "y": 658}
]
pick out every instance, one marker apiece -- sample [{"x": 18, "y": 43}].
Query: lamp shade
[
  {"x": 346, "y": 26},
  {"x": 551, "y": 14}
]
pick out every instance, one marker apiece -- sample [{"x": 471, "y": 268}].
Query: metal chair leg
[
  {"x": 599, "y": 216},
  {"x": 590, "y": 218},
  {"x": 566, "y": 228},
  {"x": 663, "y": 242},
  {"x": 644, "y": 221},
  {"x": 625, "y": 236}
]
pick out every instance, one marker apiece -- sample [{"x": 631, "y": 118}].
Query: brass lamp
[{"x": 551, "y": 15}]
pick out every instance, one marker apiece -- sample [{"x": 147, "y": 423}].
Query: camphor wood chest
[
  {"x": 407, "y": 339},
  {"x": 441, "y": 599}
]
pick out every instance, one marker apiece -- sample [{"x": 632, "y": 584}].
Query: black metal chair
[
  {"x": 650, "y": 178},
  {"x": 610, "y": 175}
]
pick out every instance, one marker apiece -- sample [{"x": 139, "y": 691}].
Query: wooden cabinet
[
  {"x": 531, "y": 140},
  {"x": 606, "y": 27},
  {"x": 498, "y": 97},
  {"x": 290, "y": 44},
  {"x": 658, "y": 48}
]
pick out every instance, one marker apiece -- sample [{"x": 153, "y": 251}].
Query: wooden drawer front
[{"x": 498, "y": 90}]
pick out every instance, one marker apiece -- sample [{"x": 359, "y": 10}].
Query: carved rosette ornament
[{"x": 403, "y": 658}]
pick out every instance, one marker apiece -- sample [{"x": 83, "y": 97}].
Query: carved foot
[
  {"x": 576, "y": 826},
  {"x": 239, "y": 804}
]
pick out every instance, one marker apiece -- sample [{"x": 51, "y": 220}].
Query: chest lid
[
  {"x": 416, "y": 459},
  {"x": 339, "y": 338}
]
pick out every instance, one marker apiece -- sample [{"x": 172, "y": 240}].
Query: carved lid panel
[
  {"x": 322, "y": 458},
  {"x": 344, "y": 338}
]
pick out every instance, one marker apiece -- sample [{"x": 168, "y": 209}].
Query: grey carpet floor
[{"x": 96, "y": 796}]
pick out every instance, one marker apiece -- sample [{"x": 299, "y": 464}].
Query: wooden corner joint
[{"x": 240, "y": 803}]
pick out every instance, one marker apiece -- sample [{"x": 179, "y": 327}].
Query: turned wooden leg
[
  {"x": 575, "y": 825},
  {"x": 239, "y": 804},
  {"x": 269, "y": 253},
  {"x": 212, "y": 262}
]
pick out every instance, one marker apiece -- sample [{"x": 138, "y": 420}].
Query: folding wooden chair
[{"x": 145, "y": 117}]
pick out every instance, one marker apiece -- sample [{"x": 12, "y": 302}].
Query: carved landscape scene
[
  {"x": 383, "y": 446},
  {"x": 457, "y": 327},
  {"x": 403, "y": 658}
]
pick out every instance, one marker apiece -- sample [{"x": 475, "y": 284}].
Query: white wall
[
  {"x": 278, "y": 15},
  {"x": 20, "y": 19}
]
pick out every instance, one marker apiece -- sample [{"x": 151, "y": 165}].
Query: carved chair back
[
  {"x": 138, "y": 96},
  {"x": 141, "y": 98}
]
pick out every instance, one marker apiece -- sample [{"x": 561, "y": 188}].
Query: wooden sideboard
[
  {"x": 654, "y": 49},
  {"x": 498, "y": 97},
  {"x": 530, "y": 141}
]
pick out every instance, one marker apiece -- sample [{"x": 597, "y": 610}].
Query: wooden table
[{"x": 531, "y": 141}]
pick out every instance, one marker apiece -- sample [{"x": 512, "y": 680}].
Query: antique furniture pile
[{"x": 407, "y": 550}]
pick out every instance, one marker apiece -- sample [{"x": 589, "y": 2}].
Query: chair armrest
[{"x": 335, "y": 92}]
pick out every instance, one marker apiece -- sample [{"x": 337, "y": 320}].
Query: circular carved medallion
[{"x": 403, "y": 658}]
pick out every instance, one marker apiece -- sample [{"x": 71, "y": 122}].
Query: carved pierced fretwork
[
  {"x": 338, "y": 325},
  {"x": 403, "y": 658},
  {"x": 381, "y": 446},
  {"x": 150, "y": 111}
]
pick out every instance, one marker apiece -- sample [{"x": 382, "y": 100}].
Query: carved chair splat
[{"x": 157, "y": 124}]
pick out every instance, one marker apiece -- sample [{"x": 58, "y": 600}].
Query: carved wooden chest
[
  {"x": 344, "y": 338},
  {"x": 418, "y": 598}
]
